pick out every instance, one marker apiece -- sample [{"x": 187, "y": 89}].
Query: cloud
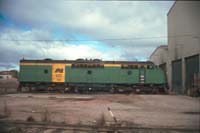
[
  {"x": 13, "y": 51},
  {"x": 94, "y": 19},
  {"x": 116, "y": 19}
]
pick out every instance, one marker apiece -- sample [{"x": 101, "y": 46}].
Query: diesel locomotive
[{"x": 91, "y": 75}]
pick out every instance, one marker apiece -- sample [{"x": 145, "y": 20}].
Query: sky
[{"x": 62, "y": 29}]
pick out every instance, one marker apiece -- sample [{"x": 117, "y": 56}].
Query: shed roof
[
  {"x": 85, "y": 61},
  {"x": 159, "y": 47}
]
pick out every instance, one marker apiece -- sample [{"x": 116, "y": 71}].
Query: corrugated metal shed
[
  {"x": 177, "y": 76},
  {"x": 192, "y": 68}
]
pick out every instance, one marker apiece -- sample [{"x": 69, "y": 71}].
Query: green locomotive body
[{"x": 91, "y": 75}]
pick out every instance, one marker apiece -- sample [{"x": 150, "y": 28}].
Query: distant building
[
  {"x": 159, "y": 56},
  {"x": 5, "y": 76},
  {"x": 182, "y": 57},
  {"x": 8, "y": 74}
]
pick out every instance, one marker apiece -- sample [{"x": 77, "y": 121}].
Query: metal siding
[
  {"x": 101, "y": 75},
  {"x": 75, "y": 75},
  {"x": 155, "y": 76},
  {"x": 35, "y": 73},
  {"x": 177, "y": 76},
  {"x": 192, "y": 67},
  {"x": 125, "y": 78}
]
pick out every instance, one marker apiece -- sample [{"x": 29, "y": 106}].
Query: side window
[
  {"x": 129, "y": 72},
  {"x": 89, "y": 72},
  {"x": 45, "y": 71}
]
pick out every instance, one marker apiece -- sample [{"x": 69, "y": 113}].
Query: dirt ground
[
  {"x": 173, "y": 111},
  {"x": 8, "y": 85},
  {"x": 145, "y": 110}
]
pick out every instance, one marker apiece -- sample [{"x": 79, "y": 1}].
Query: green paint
[
  {"x": 35, "y": 74},
  {"x": 97, "y": 75},
  {"x": 155, "y": 76},
  {"x": 101, "y": 75}
]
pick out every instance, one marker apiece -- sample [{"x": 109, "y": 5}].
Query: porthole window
[
  {"x": 89, "y": 72},
  {"x": 45, "y": 71},
  {"x": 129, "y": 72}
]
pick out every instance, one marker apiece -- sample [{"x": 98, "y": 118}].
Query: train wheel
[
  {"x": 23, "y": 89},
  {"x": 67, "y": 89},
  {"x": 26, "y": 89},
  {"x": 76, "y": 90},
  {"x": 112, "y": 90},
  {"x": 137, "y": 91},
  {"x": 155, "y": 91},
  {"x": 30, "y": 89},
  {"x": 19, "y": 89},
  {"x": 49, "y": 89}
]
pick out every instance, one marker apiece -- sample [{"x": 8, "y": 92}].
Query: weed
[
  {"x": 79, "y": 122},
  {"x": 30, "y": 119},
  {"x": 101, "y": 121},
  {"x": 6, "y": 110},
  {"x": 46, "y": 116}
]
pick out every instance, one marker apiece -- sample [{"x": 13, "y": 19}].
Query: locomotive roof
[{"x": 85, "y": 61}]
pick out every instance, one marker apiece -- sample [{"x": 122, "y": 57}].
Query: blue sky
[{"x": 77, "y": 21}]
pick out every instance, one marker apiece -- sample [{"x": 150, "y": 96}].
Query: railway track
[{"x": 22, "y": 126}]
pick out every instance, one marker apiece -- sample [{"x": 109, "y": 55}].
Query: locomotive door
[
  {"x": 89, "y": 76},
  {"x": 142, "y": 73}
]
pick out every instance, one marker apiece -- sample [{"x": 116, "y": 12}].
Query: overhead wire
[{"x": 103, "y": 39}]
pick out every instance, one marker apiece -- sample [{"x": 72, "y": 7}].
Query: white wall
[
  {"x": 160, "y": 56},
  {"x": 183, "y": 33},
  {"x": 184, "y": 29}
]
